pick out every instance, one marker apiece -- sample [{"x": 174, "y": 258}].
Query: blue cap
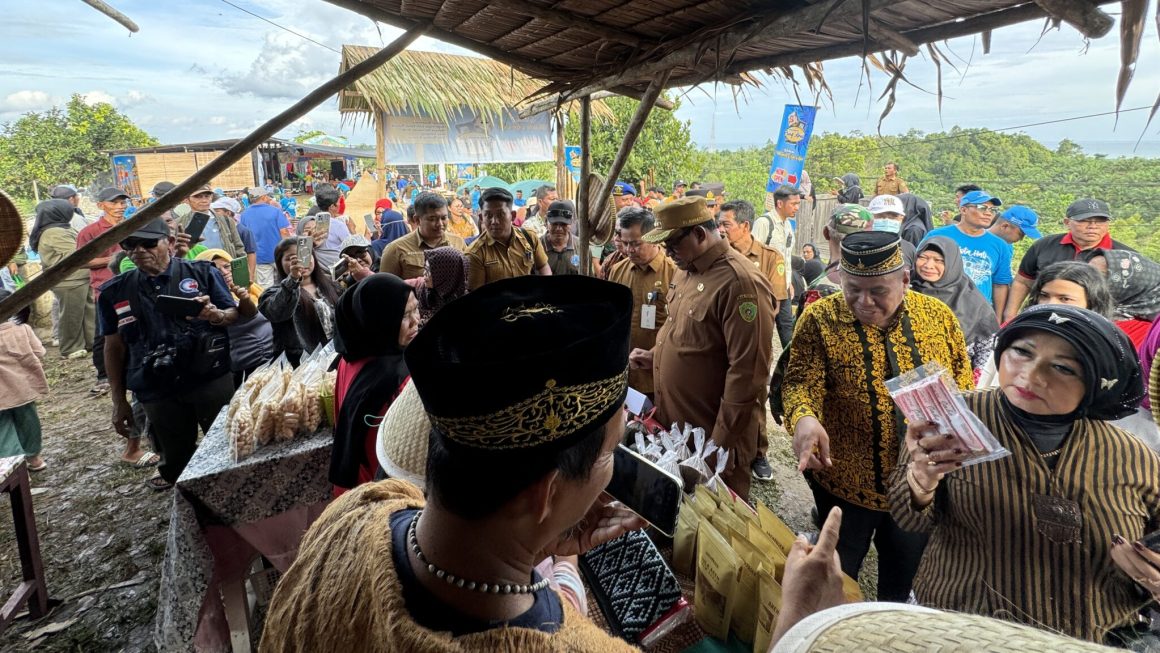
[
  {"x": 979, "y": 197},
  {"x": 1025, "y": 219},
  {"x": 623, "y": 188}
]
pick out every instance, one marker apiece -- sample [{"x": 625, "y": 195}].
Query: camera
[{"x": 161, "y": 362}]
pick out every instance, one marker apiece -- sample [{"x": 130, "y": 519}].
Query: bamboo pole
[
  {"x": 630, "y": 136},
  {"x": 561, "y": 170},
  {"x": 380, "y": 118},
  {"x": 582, "y": 194},
  {"x": 93, "y": 249}
]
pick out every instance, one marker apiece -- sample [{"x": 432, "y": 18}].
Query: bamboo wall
[{"x": 176, "y": 166}]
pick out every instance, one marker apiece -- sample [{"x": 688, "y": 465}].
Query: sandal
[
  {"x": 146, "y": 459},
  {"x": 102, "y": 387},
  {"x": 157, "y": 483},
  {"x": 39, "y": 468}
]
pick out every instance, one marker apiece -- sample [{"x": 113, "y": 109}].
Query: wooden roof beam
[
  {"x": 571, "y": 20},
  {"x": 886, "y": 34},
  {"x": 1085, "y": 16},
  {"x": 550, "y": 104},
  {"x": 765, "y": 27}
]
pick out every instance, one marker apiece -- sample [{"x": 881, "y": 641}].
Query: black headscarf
[
  {"x": 50, "y": 214},
  {"x": 851, "y": 191},
  {"x": 918, "y": 219},
  {"x": 1111, "y": 369},
  {"x": 367, "y": 321},
  {"x": 1134, "y": 281},
  {"x": 955, "y": 289},
  {"x": 812, "y": 269}
]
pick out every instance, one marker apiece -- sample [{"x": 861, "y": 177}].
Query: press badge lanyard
[{"x": 648, "y": 310}]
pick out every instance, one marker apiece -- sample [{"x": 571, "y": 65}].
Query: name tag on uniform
[{"x": 648, "y": 316}]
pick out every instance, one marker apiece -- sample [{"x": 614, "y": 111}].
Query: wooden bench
[{"x": 32, "y": 590}]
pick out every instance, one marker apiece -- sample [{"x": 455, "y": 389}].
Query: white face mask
[{"x": 887, "y": 225}]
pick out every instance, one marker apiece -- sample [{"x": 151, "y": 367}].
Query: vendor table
[{"x": 224, "y": 515}]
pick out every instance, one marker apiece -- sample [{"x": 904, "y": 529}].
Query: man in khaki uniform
[
  {"x": 503, "y": 251},
  {"x": 404, "y": 256},
  {"x": 736, "y": 220},
  {"x": 647, "y": 272},
  {"x": 890, "y": 183},
  {"x": 712, "y": 357}
]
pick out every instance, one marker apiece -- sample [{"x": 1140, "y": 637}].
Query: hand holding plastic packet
[{"x": 928, "y": 394}]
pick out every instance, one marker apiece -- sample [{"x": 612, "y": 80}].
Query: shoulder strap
[{"x": 527, "y": 237}]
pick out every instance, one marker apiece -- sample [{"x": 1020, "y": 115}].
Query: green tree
[
  {"x": 63, "y": 146},
  {"x": 304, "y": 135}
]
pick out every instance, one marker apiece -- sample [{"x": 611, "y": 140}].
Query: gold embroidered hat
[
  {"x": 871, "y": 253},
  {"x": 529, "y": 364},
  {"x": 688, "y": 211}
]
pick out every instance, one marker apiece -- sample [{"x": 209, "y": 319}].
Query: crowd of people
[{"x": 711, "y": 310}]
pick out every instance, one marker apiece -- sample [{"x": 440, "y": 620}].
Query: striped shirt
[{"x": 993, "y": 549}]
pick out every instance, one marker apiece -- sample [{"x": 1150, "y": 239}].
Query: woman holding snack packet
[{"x": 1051, "y": 534}]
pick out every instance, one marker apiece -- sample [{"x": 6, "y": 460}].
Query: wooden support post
[
  {"x": 242, "y": 148},
  {"x": 561, "y": 168},
  {"x": 582, "y": 194},
  {"x": 1090, "y": 20},
  {"x": 380, "y": 119},
  {"x": 630, "y": 136}
]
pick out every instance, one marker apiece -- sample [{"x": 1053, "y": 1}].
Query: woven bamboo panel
[
  {"x": 177, "y": 166},
  {"x": 11, "y": 228}
]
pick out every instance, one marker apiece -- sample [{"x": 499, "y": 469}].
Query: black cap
[
  {"x": 533, "y": 395},
  {"x": 1088, "y": 208},
  {"x": 677, "y": 184},
  {"x": 163, "y": 187},
  {"x": 155, "y": 229},
  {"x": 871, "y": 253},
  {"x": 492, "y": 194},
  {"x": 62, "y": 192},
  {"x": 111, "y": 193},
  {"x": 561, "y": 212}
]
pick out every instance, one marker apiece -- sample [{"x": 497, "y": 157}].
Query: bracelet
[{"x": 916, "y": 486}]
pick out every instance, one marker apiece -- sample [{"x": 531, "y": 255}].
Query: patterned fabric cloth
[
  {"x": 837, "y": 373},
  {"x": 1135, "y": 284},
  {"x": 214, "y": 490},
  {"x": 1004, "y": 543},
  {"x": 448, "y": 269}
]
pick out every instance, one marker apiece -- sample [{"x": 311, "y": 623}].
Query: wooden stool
[{"x": 32, "y": 590}]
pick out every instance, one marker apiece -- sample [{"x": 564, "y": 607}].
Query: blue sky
[{"x": 207, "y": 70}]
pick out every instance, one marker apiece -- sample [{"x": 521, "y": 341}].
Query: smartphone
[
  {"x": 305, "y": 251},
  {"x": 322, "y": 226},
  {"x": 240, "y": 271},
  {"x": 339, "y": 268},
  {"x": 1151, "y": 541},
  {"x": 369, "y": 219},
  {"x": 197, "y": 223},
  {"x": 645, "y": 489},
  {"x": 177, "y": 306}
]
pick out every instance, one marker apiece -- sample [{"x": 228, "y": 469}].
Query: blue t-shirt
[
  {"x": 519, "y": 201},
  {"x": 475, "y": 199},
  {"x": 986, "y": 257},
  {"x": 266, "y": 222}
]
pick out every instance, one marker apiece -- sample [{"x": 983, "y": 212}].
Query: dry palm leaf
[{"x": 1132, "y": 22}]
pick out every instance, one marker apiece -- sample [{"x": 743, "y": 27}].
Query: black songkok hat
[
  {"x": 871, "y": 253},
  {"x": 546, "y": 359},
  {"x": 1111, "y": 368}
]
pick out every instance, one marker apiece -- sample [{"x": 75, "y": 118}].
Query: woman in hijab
[
  {"x": 1135, "y": 283},
  {"x": 53, "y": 239},
  {"x": 375, "y": 320},
  {"x": 851, "y": 190},
  {"x": 1049, "y": 534},
  {"x": 938, "y": 273},
  {"x": 445, "y": 280},
  {"x": 460, "y": 221},
  {"x": 392, "y": 226},
  {"x": 809, "y": 251},
  {"x": 917, "y": 220},
  {"x": 818, "y": 285}
]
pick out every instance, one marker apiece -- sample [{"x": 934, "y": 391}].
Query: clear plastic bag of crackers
[{"x": 929, "y": 394}]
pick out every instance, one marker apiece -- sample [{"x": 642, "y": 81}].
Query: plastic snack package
[
  {"x": 928, "y": 393},
  {"x": 768, "y": 609},
  {"x": 696, "y": 462},
  {"x": 716, "y": 582},
  {"x": 685, "y": 539}
]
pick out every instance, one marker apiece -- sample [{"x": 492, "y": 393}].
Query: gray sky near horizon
[{"x": 211, "y": 71}]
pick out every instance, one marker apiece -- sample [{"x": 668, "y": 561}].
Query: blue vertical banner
[
  {"x": 572, "y": 161},
  {"x": 789, "y": 157}
]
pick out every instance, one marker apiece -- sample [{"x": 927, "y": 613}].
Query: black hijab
[
  {"x": 955, "y": 289},
  {"x": 50, "y": 214},
  {"x": 367, "y": 321},
  {"x": 851, "y": 190},
  {"x": 1111, "y": 369},
  {"x": 918, "y": 219}
]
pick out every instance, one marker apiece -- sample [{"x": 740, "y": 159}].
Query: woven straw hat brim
[
  {"x": 402, "y": 438},
  {"x": 893, "y": 627},
  {"x": 11, "y": 229}
]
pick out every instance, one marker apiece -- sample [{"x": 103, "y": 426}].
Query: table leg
[
  {"x": 33, "y": 588},
  {"x": 237, "y": 613}
]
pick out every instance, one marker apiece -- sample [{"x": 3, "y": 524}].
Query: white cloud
[
  {"x": 97, "y": 97},
  {"x": 218, "y": 120},
  {"x": 138, "y": 97},
  {"x": 26, "y": 101}
]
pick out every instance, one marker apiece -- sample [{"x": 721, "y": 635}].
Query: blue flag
[
  {"x": 789, "y": 157},
  {"x": 572, "y": 161}
]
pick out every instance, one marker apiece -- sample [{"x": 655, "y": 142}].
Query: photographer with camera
[{"x": 165, "y": 339}]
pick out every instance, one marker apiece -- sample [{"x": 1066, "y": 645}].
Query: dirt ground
[{"x": 102, "y": 532}]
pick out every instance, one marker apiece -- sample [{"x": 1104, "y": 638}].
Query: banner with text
[
  {"x": 413, "y": 138},
  {"x": 789, "y": 157}
]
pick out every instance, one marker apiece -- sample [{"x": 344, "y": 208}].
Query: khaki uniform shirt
[
  {"x": 712, "y": 357},
  {"x": 563, "y": 262},
  {"x": 653, "y": 278},
  {"x": 490, "y": 260},
  {"x": 894, "y": 186},
  {"x": 771, "y": 264},
  {"x": 404, "y": 256}
]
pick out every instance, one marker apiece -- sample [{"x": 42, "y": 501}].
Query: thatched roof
[
  {"x": 583, "y": 46},
  {"x": 437, "y": 85}
]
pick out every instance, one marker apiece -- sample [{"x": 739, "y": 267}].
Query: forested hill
[{"x": 1015, "y": 167}]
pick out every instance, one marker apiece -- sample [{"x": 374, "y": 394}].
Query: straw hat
[
  {"x": 401, "y": 444},
  {"x": 901, "y": 627},
  {"x": 11, "y": 229}
]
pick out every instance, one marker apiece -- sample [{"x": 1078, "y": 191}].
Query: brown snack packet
[
  {"x": 768, "y": 609},
  {"x": 851, "y": 589},
  {"x": 774, "y": 559},
  {"x": 685, "y": 540},
  {"x": 717, "y": 567},
  {"x": 744, "y": 620},
  {"x": 775, "y": 528}
]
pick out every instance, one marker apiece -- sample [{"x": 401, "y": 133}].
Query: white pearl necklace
[{"x": 452, "y": 579}]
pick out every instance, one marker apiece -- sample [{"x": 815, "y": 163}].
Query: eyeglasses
[
  {"x": 133, "y": 243},
  {"x": 984, "y": 208}
]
